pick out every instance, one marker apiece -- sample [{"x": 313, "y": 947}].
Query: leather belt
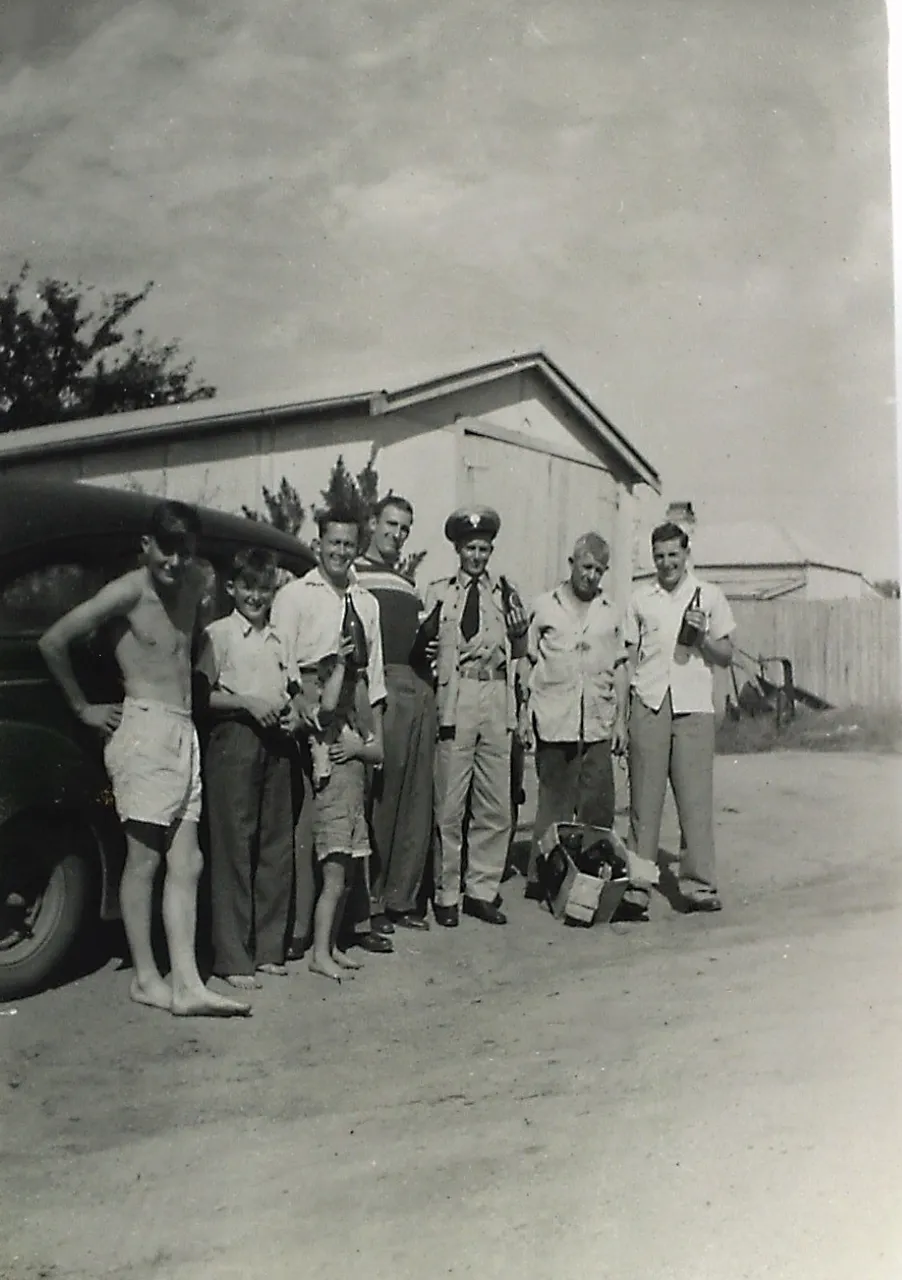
[{"x": 480, "y": 673}]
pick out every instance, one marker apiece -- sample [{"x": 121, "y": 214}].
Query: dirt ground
[{"x": 696, "y": 1098}]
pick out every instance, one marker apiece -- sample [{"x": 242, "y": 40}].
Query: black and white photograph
[{"x": 450, "y": 640}]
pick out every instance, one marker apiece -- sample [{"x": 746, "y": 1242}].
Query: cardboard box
[{"x": 574, "y": 894}]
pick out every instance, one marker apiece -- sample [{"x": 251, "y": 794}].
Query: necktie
[{"x": 469, "y": 619}]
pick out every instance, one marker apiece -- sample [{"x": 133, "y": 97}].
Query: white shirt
[
  {"x": 308, "y": 614},
  {"x": 244, "y": 660},
  {"x": 652, "y": 624},
  {"x": 574, "y": 652}
]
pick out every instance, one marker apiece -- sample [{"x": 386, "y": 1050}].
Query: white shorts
[{"x": 153, "y": 760}]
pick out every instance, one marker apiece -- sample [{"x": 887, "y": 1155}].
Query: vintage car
[{"x": 61, "y": 847}]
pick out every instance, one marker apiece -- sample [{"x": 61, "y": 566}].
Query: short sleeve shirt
[
  {"x": 651, "y": 626},
  {"x": 244, "y": 660},
  {"x": 308, "y": 614}
]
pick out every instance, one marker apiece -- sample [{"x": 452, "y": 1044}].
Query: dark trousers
[
  {"x": 248, "y": 792},
  {"x": 576, "y": 783},
  {"x": 401, "y": 797}
]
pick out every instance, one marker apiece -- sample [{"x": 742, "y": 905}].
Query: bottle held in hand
[
  {"x": 515, "y": 615},
  {"x": 427, "y": 634},
  {"x": 690, "y": 635},
  {"x": 352, "y": 629}
]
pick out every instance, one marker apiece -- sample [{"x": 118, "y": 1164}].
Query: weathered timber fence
[{"x": 848, "y": 652}]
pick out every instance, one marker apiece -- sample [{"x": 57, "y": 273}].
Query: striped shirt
[{"x": 399, "y": 608}]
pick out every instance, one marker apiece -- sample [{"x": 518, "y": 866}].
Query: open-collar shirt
[
  {"x": 308, "y": 613},
  {"x": 651, "y": 626},
  {"x": 245, "y": 660},
  {"x": 573, "y": 652}
]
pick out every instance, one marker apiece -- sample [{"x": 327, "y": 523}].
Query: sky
[{"x": 686, "y": 205}]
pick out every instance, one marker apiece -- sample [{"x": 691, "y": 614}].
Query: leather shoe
[
  {"x": 533, "y": 891},
  {"x": 448, "y": 917},
  {"x": 704, "y": 902},
  {"x": 381, "y": 924},
  {"x": 486, "y": 911},
  {"x": 408, "y": 920},
  {"x": 374, "y": 942}
]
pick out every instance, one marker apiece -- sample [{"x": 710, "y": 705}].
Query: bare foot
[
  {"x": 243, "y": 981},
  {"x": 205, "y": 1003},
  {"x": 157, "y": 994},
  {"x": 273, "y": 970},
  {"x": 327, "y": 968},
  {"x": 344, "y": 961}
]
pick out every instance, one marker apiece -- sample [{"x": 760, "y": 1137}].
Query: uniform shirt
[
  {"x": 450, "y": 593},
  {"x": 652, "y": 624},
  {"x": 484, "y": 651},
  {"x": 573, "y": 653},
  {"x": 245, "y": 661},
  {"x": 308, "y": 614},
  {"x": 399, "y": 608}
]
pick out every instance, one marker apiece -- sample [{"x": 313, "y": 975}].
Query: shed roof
[
  {"x": 213, "y": 415},
  {"x": 754, "y": 544}
]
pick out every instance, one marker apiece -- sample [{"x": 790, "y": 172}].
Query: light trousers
[
  {"x": 472, "y": 795},
  {"x": 679, "y": 748}
]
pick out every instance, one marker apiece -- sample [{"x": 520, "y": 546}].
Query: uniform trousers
[
  {"x": 576, "y": 782},
  {"x": 473, "y": 765},
  {"x": 678, "y": 747},
  {"x": 401, "y": 797},
  {"x": 248, "y": 797}
]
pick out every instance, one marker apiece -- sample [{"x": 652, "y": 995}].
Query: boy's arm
[
  {"x": 373, "y": 749},
  {"x": 332, "y": 685},
  {"x": 115, "y": 600}
]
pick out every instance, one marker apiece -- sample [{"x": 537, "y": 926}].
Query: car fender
[{"x": 44, "y": 771}]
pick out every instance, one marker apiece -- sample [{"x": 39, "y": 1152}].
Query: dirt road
[{"x": 697, "y": 1098}]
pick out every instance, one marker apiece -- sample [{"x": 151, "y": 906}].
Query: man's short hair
[
  {"x": 338, "y": 513},
  {"x": 596, "y": 546},
  {"x": 392, "y": 500},
  {"x": 669, "y": 532},
  {"x": 173, "y": 521},
  {"x": 256, "y": 566}
]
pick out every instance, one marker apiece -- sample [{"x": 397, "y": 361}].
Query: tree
[
  {"x": 61, "y": 360},
  {"x": 888, "y": 587},
  {"x": 360, "y": 493},
  {"x": 284, "y": 509}
]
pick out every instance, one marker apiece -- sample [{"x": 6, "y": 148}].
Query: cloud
[{"x": 689, "y": 206}]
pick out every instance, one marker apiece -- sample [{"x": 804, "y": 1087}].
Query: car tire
[{"x": 44, "y": 908}]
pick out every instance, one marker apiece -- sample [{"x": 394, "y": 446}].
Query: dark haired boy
[
  {"x": 247, "y": 776},
  {"x": 151, "y": 749}
]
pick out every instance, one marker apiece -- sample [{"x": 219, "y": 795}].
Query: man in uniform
[{"x": 481, "y": 628}]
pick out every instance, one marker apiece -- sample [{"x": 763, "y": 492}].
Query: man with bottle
[
  {"x": 479, "y": 625},
  {"x": 313, "y": 617},
  {"x": 676, "y": 631},
  {"x": 401, "y": 800}
]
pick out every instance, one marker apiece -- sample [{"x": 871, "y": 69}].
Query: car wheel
[{"x": 46, "y": 888}]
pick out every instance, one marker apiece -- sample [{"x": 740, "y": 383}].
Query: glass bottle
[
  {"x": 690, "y": 635},
  {"x": 352, "y": 629}
]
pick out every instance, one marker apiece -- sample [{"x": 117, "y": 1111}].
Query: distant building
[
  {"x": 516, "y": 434},
  {"x": 760, "y": 560}
]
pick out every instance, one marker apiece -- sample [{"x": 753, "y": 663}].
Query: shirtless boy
[{"x": 151, "y": 750}]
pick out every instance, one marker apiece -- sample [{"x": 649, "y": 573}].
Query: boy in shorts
[
  {"x": 248, "y": 778},
  {"x": 348, "y": 738},
  {"x": 151, "y": 749}
]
